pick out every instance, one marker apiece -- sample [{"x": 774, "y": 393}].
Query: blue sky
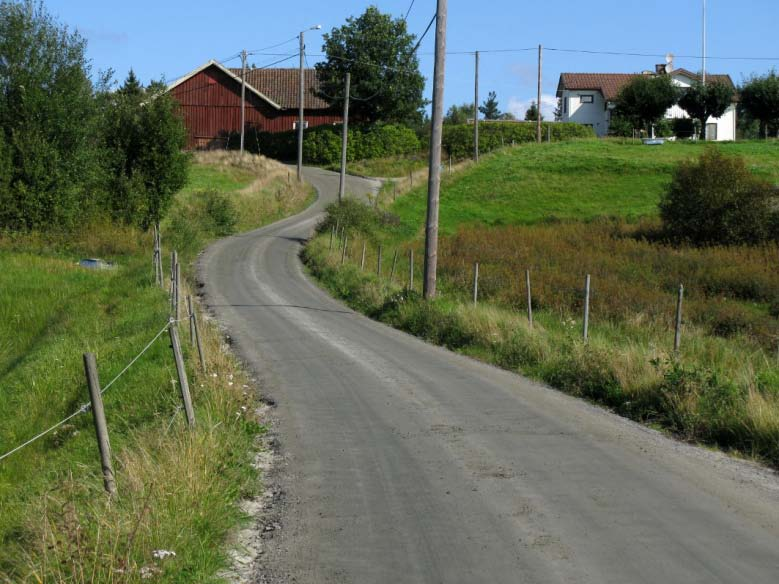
[{"x": 169, "y": 38}]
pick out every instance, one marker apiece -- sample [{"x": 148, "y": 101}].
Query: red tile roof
[
  {"x": 283, "y": 86},
  {"x": 610, "y": 84}
]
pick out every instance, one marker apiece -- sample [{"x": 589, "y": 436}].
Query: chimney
[{"x": 661, "y": 69}]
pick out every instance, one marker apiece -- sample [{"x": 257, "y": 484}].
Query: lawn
[
  {"x": 178, "y": 489},
  {"x": 565, "y": 180}
]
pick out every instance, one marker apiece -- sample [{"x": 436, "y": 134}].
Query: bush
[
  {"x": 221, "y": 212},
  {"x": 718, "y": 201},
  {"x": 322, "y": 145},
  {"x": 458, "y": 139}
]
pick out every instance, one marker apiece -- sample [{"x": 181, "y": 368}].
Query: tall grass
[{"x": 178, "y": 489}]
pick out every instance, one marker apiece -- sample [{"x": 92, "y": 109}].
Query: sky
[{"x": 168, "y": 38}]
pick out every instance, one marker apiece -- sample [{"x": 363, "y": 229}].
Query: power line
[
  {"x": 253, "y": 51},
  {"x": 424, "y": 34},
  {"x": 409, "y": 10}
]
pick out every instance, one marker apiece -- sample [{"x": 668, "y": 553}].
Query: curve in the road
[{"x": 408, "y": 463}]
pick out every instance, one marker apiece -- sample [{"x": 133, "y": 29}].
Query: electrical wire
[
  {"x": 254, "y": 51},
  {"x": 424, "y": 34},
  {"x": 409, "y": 9}
]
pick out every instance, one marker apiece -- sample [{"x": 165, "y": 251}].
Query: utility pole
[
  {"x": 301, "y": 108},
  {"x": 538, "y": 101},
  {"x": 476, "y": 111},
  {"x": 345, "y": 138},
  {"x": 704, "y": 42},
  {"x": 243, "y": 97},
  {"x": 434, "y": 181},
  {"x": 301, "y": 97}
]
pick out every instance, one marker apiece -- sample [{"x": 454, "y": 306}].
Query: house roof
[
  {"x": 283, "y": 86},
  {"x": 227, "y": 72},
  {"x": 610, "y": 84}
]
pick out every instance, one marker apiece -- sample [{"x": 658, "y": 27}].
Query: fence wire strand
[{"x": 86, "y": 407}]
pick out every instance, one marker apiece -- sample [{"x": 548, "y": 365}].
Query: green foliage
[
  {"x": 144, "y": 139},
  {"x": 621, "y": 126},
  {"x": 378, "y": 51},
  {"x": 322, "y": 145},
  {"x": 70, "y": 151},
  {"x": 531, "y": 115},
  {"x": 716, "y": 200},
  {"x": 458, "y": 139},
  {"x": 48, "y": 121},
  {"x": 645, "y": 100},
  {"x": 760, "y": 98},
  {"x": 702, "y": 102},
  {"x": 220, "y": 211},
  {"x": 489, "y": 108},
  {"x": 459, "y": 114}
]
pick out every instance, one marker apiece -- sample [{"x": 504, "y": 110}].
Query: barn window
[{"x": 587, "y": 98}]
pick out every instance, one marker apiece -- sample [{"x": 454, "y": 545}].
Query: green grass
[
  {"x": 389, "y": 167},
  {"x": 565, "y": 180},
  {"x": 178, "y": 489}
]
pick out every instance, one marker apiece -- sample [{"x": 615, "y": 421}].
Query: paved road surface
[{"x": 407, "y": 463}]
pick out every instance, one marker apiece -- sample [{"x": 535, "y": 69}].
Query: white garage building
[{"x": 588, "y": 98}]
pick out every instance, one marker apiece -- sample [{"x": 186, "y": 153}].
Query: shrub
[
  {"x": 355, "y": 216},
  {"x": 716, "y": 200},
  {"x": 221, "y": 212},
  {"x": 458, "y": 139},
  {"x": 322, "y": 145}
]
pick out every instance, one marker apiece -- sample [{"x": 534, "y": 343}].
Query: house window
[
  {"x": 295, "y": 125},
  {"x": 565, "y": 105},
  {"x": 587, "y": 98}
]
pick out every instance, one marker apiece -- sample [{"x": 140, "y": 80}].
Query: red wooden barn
[{"x": 210, "y": 100}]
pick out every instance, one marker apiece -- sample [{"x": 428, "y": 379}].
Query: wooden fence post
[
  {"x": 182, "y": 374},
  {"x": 101, "y": 428},
  {"x": 177, "y": 311},
  {"x": 196, "y": 331},
  {"x": 332, "y": 236},
  {"x": 394, "y": 265},
  {"x": 475, "y": 283},
  {"x": 343, "y": 252},
  {"x": 394, "y": 190},
  {"x": 586, "y": 328},
  {"x": 362, "y": 260},
  {"x": 173, "y": 262},
  {"x": 411, "y": 269},
  {"x": 378, "y": 263},
  {"x": 678, "y": 334},
  {"x": 190, "y": 315},
  {"x": 529, "y": 299}
]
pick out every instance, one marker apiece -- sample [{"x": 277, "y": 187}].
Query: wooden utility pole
[
  {"x": 301, "y": 113},
  {"x": 538, "y": 101},
  {"x": 434, "y": 181},
  {"x": 243, "y": 97},
  {"x": 476, "y": 111},
  {"x": 101, "y": 428},
  {"x": 345, "y": 138}
]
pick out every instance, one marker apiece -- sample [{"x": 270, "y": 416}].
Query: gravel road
[{"x": 403, "y": 462}]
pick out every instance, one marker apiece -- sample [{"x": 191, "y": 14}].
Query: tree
[
  {"x": 531, "y": 115},
  {"x": 459, "y": 114},
  {"x": 760, "y": 99},
  {"x": 645, "y": 100},
  {"x": 379, "y": 52},
  {"x": 508, "y": 117},
  {"x": 716, "y": 200},
  {"x": 490, "y": 109},
  {"x": 48, "y": 121},
  {"x": 702, "y": 102},
  {"x": 144, "y": 140}
]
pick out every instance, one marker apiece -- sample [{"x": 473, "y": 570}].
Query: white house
[{"x": 588, "y": 98}]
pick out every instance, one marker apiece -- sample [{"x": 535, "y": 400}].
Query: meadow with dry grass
[
  {"x": 722, "y": 388},
  {"x": 178, "y": 489}
]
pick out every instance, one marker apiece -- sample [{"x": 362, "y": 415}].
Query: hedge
[
  {"x": 322, "y": 145},
  {"x": 458, "y": 139}
]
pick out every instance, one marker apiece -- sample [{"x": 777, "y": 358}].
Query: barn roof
[
  {"x": 230, "y": 74},
  {"x": 610, "y": 84},
  {"x": 283, "y": 86}
]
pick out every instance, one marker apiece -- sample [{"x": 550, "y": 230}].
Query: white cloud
[{"x": 518, "y": 106}]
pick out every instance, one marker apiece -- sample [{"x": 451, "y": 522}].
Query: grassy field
[
  {"x": 722, "y": 389},
  {"x": 178, "y": 489},
  {"x": 566, "y": 180},
  {"x": 390, "y": 167}
]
